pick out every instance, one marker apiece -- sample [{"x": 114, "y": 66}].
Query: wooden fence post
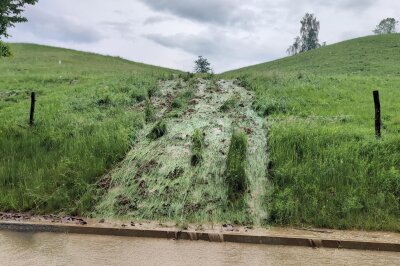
[
  {"x": 32, "y": 113},
  {"x": 378, "y": 120}
]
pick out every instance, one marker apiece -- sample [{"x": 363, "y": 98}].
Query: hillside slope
[
  {"x": 372, "y": 55},
  {"x": 328, "y": 168},
  {"x": 84, "y": 124},
  {"x": 117, "y": 138}
]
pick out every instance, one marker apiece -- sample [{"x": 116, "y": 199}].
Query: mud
[
  {"x": 21, "y": 217},
  {"x": 72, "y": 249},
  {"x": 213, "y": 229}
]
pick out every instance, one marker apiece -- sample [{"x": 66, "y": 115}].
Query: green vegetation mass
[
  {"x": 327, "y": 167},
  {"x": 84, "y": 124},
  {"x": 110, "y": 140}
]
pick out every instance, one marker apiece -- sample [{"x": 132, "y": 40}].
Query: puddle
[{"x": 73, "y": 249}]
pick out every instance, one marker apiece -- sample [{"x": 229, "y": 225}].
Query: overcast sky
[{"x": 172, "y": 33}]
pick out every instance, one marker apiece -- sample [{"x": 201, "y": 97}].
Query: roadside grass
[
  {"x": 84, "y": 124},
  {"x": 327, "y": 168}
]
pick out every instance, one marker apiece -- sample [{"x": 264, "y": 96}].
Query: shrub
[
  {"x": 186, "y": 76},
  {"x": 235, "y": 173},
  {"x": 197, "y": 147},
  {"x": 159, "y": 130},
  {"x": 5, "y": 50}
]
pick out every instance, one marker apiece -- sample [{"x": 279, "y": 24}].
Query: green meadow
[
  {"x": 326, "y": 166},
  {"x": 84, "y": 124}
]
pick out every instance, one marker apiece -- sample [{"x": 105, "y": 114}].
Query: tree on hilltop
[
  {"x": 386, "y": 26},
  {"x": 308, "y": 39},
  {"x": 201, "y": 65},
  {"x": 10, "y": 14}
]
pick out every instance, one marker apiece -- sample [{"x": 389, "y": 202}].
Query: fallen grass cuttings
[
  {"x": 197, "y": 147},
  {"x": 159, "y": 130},
  {"x": 235, "y": 173},
  {"x": 176, "y": 190},
  {"x": 181, "y": 102}
]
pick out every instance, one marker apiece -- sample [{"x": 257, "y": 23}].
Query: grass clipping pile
[{"x": 179, "y": 170}]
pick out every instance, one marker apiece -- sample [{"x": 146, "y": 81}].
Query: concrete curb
[{"x": 194, "y": 236}]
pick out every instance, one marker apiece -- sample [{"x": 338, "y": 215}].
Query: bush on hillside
[{"x": 5, "y": 50}]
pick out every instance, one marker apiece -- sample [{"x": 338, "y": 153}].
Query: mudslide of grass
[{"x": 160, "y": 180}]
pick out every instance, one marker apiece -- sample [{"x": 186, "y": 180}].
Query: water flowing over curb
[{"x": 203, "y": 236}]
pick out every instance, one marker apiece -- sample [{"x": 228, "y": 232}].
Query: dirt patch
[
  {"x": 146, "y": 168},
  {"x": 20, "y": 217}
]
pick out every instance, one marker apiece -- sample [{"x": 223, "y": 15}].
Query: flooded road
[{"x": 74, "y": 249}]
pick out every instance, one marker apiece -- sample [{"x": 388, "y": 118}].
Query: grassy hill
[
  {"x": 376, "y": 55},
  {"x": 327, "y": 167},
  {"x": 84, "y": 124},
  {"x": 110, "y": 138}
]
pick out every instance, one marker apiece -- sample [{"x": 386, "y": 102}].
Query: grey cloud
[
  {"x": 354, "y": 4},
  {"x": 156, "y": 19},
  {"x": 224, "y": 12},
  {"x": 219, "y": 47},
  {"x": 248, "y": 13},
  {"x": 349, "y": 5},
  {"x": 124, "y": 28},
  {"x": 215, "y": 44},
  {"x": 188, "y": 43},
  {"x": 59, "y": 28}
]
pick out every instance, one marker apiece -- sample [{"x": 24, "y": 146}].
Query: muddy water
[{"x": 63, "y": 249}]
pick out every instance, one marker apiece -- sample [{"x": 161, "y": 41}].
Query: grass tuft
[
  {"x": 197, "y": 147},
  {"x": 158, "y": 131},
  {"x": 230, "y": 104},
  {"x": 149, "y": 112},
  {"x": 235, "y": 173}
]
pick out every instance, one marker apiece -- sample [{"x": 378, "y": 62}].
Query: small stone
[{"x": 102, "y": 221}]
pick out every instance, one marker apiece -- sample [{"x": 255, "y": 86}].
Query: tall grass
[
  {"x": 197, "y": 147},
  {"x": 84, "y": 124},
  {"x": 235, "y": 173},
  {"x": 327, "y": 168}
]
